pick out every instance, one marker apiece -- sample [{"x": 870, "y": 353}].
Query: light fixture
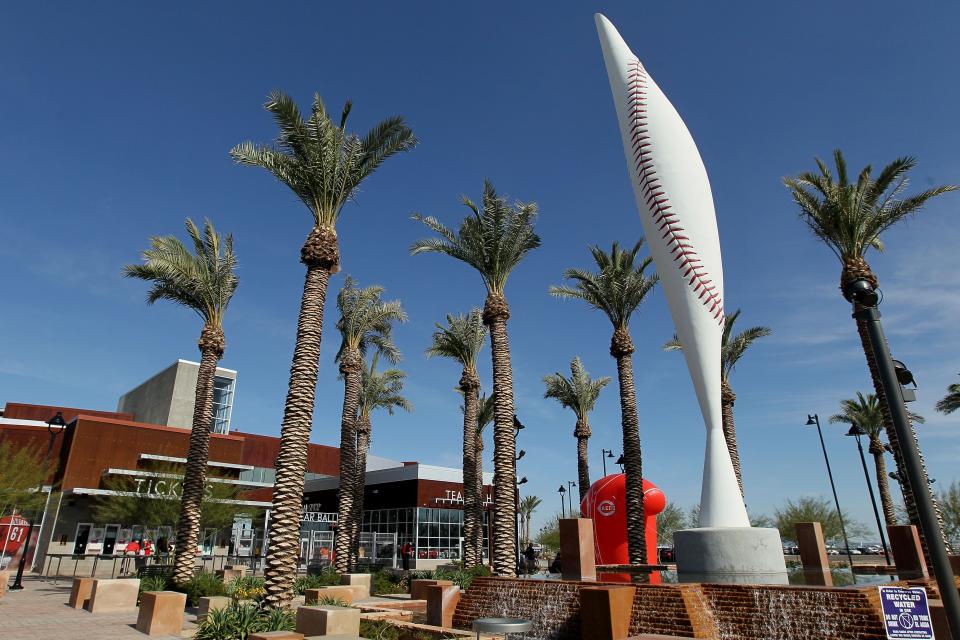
[
  {"x": 811, "y": 420},
  {"x": 856, "y": 430},
  {"x": 861, "y": 292},
  {"x": 521, "y": 454},
  {"x": 522, "y": 480},
  {"x": 517, "y": 424},
  {"x": 904, "y": 375}
]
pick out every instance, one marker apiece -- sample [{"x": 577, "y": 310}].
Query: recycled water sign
[{"x": 905, "y": 613}]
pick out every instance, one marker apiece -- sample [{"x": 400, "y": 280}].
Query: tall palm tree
[
  {"x": 378, "y": 390},
  {"x": 617, "y": 289},
  {"x": 366, "y": 322},
  {"x": 528, "y": 506},
  {"x": 578, "y": 393},
  {"x": 486, "y": 406},
  {"x": 493, "y": 239},
  {"x": 865, "y": 411},
  {"x": 731, "y": 350},
  {"x": 950, "y": 402},
  {"x": 849, "y": 217},
  {"x": 204, "y": 282},
  {"x": 324, "y": 165},
  {"x": 461, "y": 340}
]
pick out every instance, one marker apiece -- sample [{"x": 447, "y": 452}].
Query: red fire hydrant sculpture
[{"x": 605, "y": 504}]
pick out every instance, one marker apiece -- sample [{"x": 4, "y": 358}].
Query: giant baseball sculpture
[{"x": 676, "y": 211}]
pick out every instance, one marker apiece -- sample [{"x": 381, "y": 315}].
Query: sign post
[{"x": 906, "y": 613}]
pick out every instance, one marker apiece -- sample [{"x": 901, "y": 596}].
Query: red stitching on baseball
[{"x": 657, "y": 199}]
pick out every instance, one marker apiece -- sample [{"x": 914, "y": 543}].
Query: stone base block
[
  {"x": 577, "y": 549},
  {"x": 113, "y": 595},
  {"x": 737, "y": 555},
  {"x": 80, "y": 593},
  {"x": 938, "y": 618},
  {"x": 325, "y": 621},
  {"x": 229, "y": 575},
  {"x": 907, "y": 552},
  {"x": 4, "y": 581},
  {"x": 364, "y": 579},
  {"x": 276, "y": 635},
  {"x": 209, "y": 604},
  {"x": 605, "y": 612},
  {"x": 313, "y": 596},
  {"x": 441, "y": 603},
  {"x": 955, "y": 564},
  {"x": 418, "y": 588},
  {"x": 161, "y": 613}
]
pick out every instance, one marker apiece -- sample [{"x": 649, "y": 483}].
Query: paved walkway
[{"x": 40, "y": 612}]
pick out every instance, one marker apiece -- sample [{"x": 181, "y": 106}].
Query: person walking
[
  {"x": 405, "y": 552},
  {"x": 530, "y": 558}
]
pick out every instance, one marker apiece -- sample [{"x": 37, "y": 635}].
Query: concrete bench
[
  {"x": 161, "y": 613},
  {"x": 119, "y": 594},
  {"x": 343, "y": 592},
  {"x": 361, "y": 583},
  {"x": 326, "y": 621},
  {"x": 209, "y": 604},
  {"x": 80, "y": 593}
]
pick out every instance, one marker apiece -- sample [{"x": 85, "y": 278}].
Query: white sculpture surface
[{"x": 676, "y": 209}]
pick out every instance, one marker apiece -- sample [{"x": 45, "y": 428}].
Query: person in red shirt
[{"x": 405, "y": 552}]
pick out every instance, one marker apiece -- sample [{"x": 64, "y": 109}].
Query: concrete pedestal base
[{"x": 736, "y": 555}]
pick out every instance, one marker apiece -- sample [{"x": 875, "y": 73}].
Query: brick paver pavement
[{"x": 40, "y": 612}]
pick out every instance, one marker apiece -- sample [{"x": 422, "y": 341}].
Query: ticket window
[
  {"x": 110, "y": 534},
  {"x": 81, "y": 538}
]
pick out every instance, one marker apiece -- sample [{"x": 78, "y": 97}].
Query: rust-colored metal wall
[{"x": 43, "y": 412}]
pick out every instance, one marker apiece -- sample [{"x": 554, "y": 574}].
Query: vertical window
[{"x": 222, "y": 404}]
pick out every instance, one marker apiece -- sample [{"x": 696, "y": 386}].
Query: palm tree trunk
[
  {"x": 351, "y": 366},
  {"x": 621, "y": 348},
  {"x": 364, "y": 432},
  {"x": 886, "y": 501},
  {"x": 907, "y": 490},
  {"x": 495, "y": 315},
  {"x": 727, "y": 398},
  {"x": 195, "y": 475},
  {"x": 480, "y": 507},
  {"x": 284, "y": 534},
  {"x": 470, "y": 386},
  {"x": 583, "y": 469}
]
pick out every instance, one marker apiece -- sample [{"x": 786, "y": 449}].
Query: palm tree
[
  {"x": 849, "y": 217},
  {"x": 865, "y": 412},
  {"x": 731, "y": 350},
  {"x": 528, "y": 506},
  {"x": 617, "y": 289},
  {"x": 365, "y": 321},
  {"x": 950, "y": 402},
  {"x": 204, "y": 282},
  {"x": 493, "y": 240},
  {"x": 378, "y": 390},
  {"x": 323, "y": 165},
  {"x": 461, "y": 340},
  {"x": 578, "y": 393}
]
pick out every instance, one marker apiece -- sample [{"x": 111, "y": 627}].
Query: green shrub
[
  {"x": 238, "y": 622},
  {"x": 202, "y": 585},
  {"x": 326, "y": 578},
  {"x": 462, "y": 577},
  {"x": 330, "y": 601},
  {"x": 247, "y": 588},
  {"x": 152, "y": 583},
  {"x": 381, "y": 583},
  {"x": 378, "y": 630}
]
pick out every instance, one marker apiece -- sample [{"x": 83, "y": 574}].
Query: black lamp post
[
  {"x": 570, "y": 484},
  {"x": 604, "y": 454},
  {"x": 563, "y": 504},
  {"x": 864, "y": 298},
  {"x": 856, "y": 431},
  {"x": 517, "y": 425},
  {"x": 55, "y": 425},
  {"x": 815, "y": 419},
  {"x": 620, "y": 462},
  {"x": 516, "y": 529}
]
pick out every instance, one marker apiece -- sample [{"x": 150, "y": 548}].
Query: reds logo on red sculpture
[{"x": 606, "y": 508}]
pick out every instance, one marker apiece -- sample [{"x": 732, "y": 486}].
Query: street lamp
[
  {"x": 55, "y": 425},
  {"x": 570, "y": 495},
  {"x": 517, "y": 425},
  {"x": 604, "y": 454},
  {"x": 563, "y": 505},
  {"x": 620, "y": 462},
  {"x": 856, "y": 431},
  {"x": 815, "y": 419},
  {"x": 863, "y": 296}
]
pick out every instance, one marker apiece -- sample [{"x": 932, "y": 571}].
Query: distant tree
[
  {"x": 672, "y": 518},
  {"x": 950, "y": 505},
  {"x": 950, "y": 402},
  {"x": 528, "y": 506},
  {"x": 578, "y": 393},
  {"x": 23, "y": 472},
  {"x": 814, "y": 509}
]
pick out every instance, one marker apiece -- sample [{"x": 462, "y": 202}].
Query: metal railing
[{"x": 94, "y": 565}]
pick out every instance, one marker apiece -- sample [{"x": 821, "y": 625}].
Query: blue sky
[{"x": 116, "y": 119}]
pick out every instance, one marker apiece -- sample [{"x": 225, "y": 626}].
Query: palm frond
[
  {"x": 203, "y": 281},
  {"x": 460, "y": 340},
  {"x": 579, "y": 392},
  {"x": 366, "y": 321},
  {"x": 382, "y": 390},
  {"x": 950, "y": 402}
]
